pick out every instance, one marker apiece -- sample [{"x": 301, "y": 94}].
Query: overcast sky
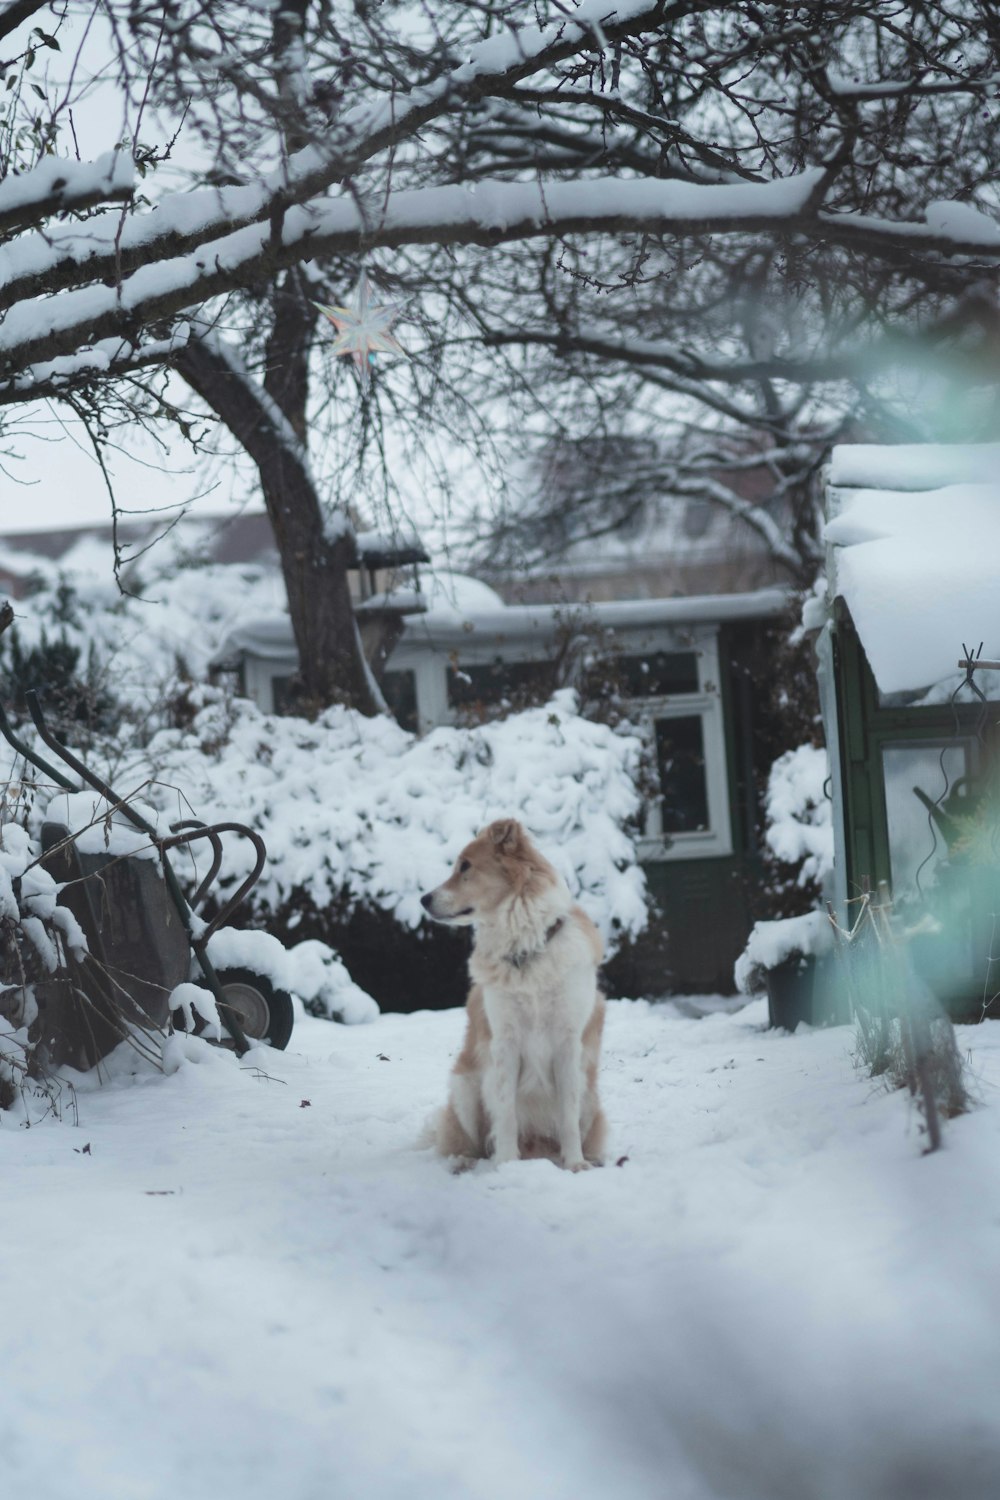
[{"x": 51, "y": 479}]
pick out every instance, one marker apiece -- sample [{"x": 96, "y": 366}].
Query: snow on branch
[
  {"x": 757, "y": 517},
  {"x": 860, "y": 93},
  {"x": 487, "y": 213},
  {"x": 108, "y": 358},
  {"x": 57, "y": 184},
  {"x": 188, "y": 220},
  {"x": 497, "y": 64}
]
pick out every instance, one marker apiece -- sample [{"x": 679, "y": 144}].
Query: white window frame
[{"x": 706, "y": 703}]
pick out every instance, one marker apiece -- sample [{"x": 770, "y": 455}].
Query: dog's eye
[{"x": 465, "y": 865}]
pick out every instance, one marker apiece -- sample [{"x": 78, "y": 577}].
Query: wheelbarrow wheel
[{"x": 265, "y": 1013}]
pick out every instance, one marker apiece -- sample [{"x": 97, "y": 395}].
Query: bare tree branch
[{"x": 14, "y": 12}]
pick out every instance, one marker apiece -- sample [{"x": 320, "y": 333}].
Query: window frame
[{"x": 706, "y": 704}]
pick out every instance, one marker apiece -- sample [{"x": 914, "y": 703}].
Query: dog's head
[{"x": 501, "y": 862}]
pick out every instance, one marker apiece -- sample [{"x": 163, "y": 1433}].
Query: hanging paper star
[{"x": 363, "y": 330}]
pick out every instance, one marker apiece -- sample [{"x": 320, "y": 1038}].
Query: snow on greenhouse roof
[{"x": 914, "y": 535}]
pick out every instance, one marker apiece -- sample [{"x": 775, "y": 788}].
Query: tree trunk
[
  {"x": 270, "y": 424},
  {"x": 332, "y": 668}
]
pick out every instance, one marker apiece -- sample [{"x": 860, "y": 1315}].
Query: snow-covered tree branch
[
  {"x": 57, "y": 186},
  {"x": 596, "y": 210}
]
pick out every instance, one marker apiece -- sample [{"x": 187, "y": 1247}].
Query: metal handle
[
  {"x": 200, "y": 831},
  {"x": 212, "y": 831},
  {"x": 32, "y": 756}
]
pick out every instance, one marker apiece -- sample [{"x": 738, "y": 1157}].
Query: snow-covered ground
[{"x": 243, "y": 1280}]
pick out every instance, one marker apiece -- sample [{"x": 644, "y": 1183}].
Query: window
[
  {"x": 399, "y": 689},
  {"x": 647, "y": 674},
  {"x": 658, "y": 673},
  {"x": 955, "y": 953},
  {"x": 666, "y": 681},
  {"x": 680, "y": 762},
  {"x": 474, "y": 686},
  {"x": 675, "y": 701},
  {"x": 916, "y": 845},
  {"x": 281, "y": 688}
]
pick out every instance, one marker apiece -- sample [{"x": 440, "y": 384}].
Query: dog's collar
[{"x": 518, "y": 960}]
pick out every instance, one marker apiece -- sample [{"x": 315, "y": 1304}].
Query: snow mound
[
  {"x": 322, "y": 983},
  {"x": 237, "y": 948}
]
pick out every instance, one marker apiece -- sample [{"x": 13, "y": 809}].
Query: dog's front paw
[
  {"x": 459, "y": 1164},
  {"x": 578, "y": 1166},
  {"x": 502, "y": 1158}
]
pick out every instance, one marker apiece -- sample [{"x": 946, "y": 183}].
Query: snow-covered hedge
[
  {"x": 348, "y": 807},
  {"x": 148, "y": 642},
  {"x": 359, "y": 808},
  {"x": 799, "y": 827}
]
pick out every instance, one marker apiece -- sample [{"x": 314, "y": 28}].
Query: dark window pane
[
  {"x": 399, "y": 689},
  {"x": 281, "y": 688},
  {"x": 521, "y": 681},
  {"x": 680, "y": 757},
  {"x": 657, "y": 674}
]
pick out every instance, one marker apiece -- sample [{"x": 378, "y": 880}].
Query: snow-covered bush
[
  {"x": 798, "y": 823},
  {"x": 359, "y": 817},
  {"x": 360, "y": 810},
  {"x": 798, "y": 834},
  {"x": 35, "y": 934},
  {"x": 311, "y": 970},
  {"x": 120, "y": 662}
]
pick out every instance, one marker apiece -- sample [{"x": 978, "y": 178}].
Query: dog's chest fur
[{"x": 541, "y": 1002}]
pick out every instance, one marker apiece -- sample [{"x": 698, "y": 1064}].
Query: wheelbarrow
[{"x": 144, "y": 937}]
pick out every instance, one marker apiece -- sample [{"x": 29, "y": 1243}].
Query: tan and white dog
[{"x": 525, "y": 1081}]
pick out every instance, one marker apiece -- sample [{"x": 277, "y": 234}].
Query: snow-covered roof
[
  {"x": 913, "y": 466},
  {"x": 526, "y": 621},
  {"x": 394, "y": 602},
  {"x": 377, "y": 549},
  {"x": 268, "y": 636},
  {"x": 914, "y": 538},
  {"x": 458, "y": 595},
  {"x": 459, "y": 617}
]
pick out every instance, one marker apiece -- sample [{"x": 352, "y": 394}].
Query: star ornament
[{"x": 363, "y": 330}]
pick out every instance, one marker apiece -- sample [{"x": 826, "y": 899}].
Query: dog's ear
[{"x": 507, "y": 834}]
